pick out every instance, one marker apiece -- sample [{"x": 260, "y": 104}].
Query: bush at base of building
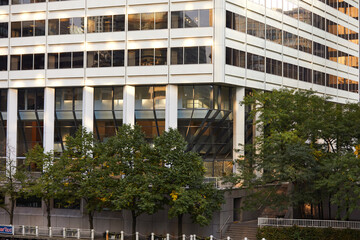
[{"x": 300, "y": 233}]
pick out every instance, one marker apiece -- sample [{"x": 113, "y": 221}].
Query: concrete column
[
  {"x": 49, "y": 119},
  {"x": 239, "y": 124},
  {"x": 219, "y": 40},
  {"x": 88, "y": 109},
  {"x": 171, "y": 111},
  {"x": 12, "y": 116},
  {"x": 129, "y": 105}
]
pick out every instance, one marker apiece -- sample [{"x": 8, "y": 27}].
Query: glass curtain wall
[
  {"x": 30, "y": 122},
  {"x": 150, "y": 110},
  {"x": 3, "y": 124},
  {"x": 205, "y": 119},
  {"x": 108, "y": 111},
  {"x": 68, "y": 114}
]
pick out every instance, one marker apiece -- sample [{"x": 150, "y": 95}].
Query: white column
[
  {"x": 49, "y": 119},
  {"x": 219, "y": 41},
  {"x": 12, "y": 109},
  {"x": 88, "y": 109},
  {"x": 239, "y": 123},
  {"x": 171, "y": 111},
  {"x": 129, "y": 105}
]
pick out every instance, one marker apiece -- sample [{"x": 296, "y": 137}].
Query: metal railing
[
  {"x": 58, "y": 232},
  {"x": 281, "y": 222}
]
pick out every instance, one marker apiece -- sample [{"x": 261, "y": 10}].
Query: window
[
  {"x": 98, "y": 24},
  {"x": 4, "y": 32},
  {"x": 255, "y": 62},
  {"x": 191, "y": 18},
  {"x": 148, "y": 21},
  {"x": 108, "y": 114},
  {"x": 28, "y": 28},
  {"x": 305, "y": 74},
  {"x": 273, "y": 34},
  {"x": 32, "y": 202},
  {"x": 290, "y": 40},
  {"x": 319, "y": 78},
  {"x": 147, "y": 57},
  {"x": 26, "y": 1},
  {"x": 305, "y": 45},
  {"x": 319, "y": 49},
  {"x": 3, "y": 62},
  {"x": 27, "y": 62},
  {"x": 66, "y": 26},
  {"x": 191, "y": 55},
  {"x": 273, "y": 67},
  {"x": 107, "y": 58},
  {"x": 290, "y": 71},
  {"x": 235, "y": 57}
]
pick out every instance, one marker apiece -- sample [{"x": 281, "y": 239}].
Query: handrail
[
  {"x": 222, "y": 227},
  {"x": 282, "y": 222}
]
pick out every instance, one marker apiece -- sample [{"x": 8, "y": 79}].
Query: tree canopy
[{"x": 304, "y": 140}]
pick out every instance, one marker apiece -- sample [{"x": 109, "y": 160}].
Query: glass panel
[
  {"x": 39, "y": 61},
  {"x": 205, "y": 55},
  {"x": 53, "y": 26},
  {"x": 160, "y": 56},
  {"x": 16, "y": 29},
  {"x": 119, "y": 23},
  {"x": 4, "y": 30},
  {"x": 147, "y": 57},
  {"x": 27, "y": 28},
  {"x": 65, "y": 60},
  {"x": 134, "y": 22},
  {"x": 3, "y": 63},
  {"x": 192, "y": 18},
  {"x": 177, "y": 19},
  {"x": 161, "y": 20},
  {"x": 105, "y": 58},
  {"x": 147, "y": 21},
  {"x": 15, "y": 62},
  {"x": 177, "y": 55},
  {"x": 92, "y": 59},
  {"x": 133, "y": 57},
  {"x": 191, "y": 55},
  {"x": 27, "y": 62},
  {"x": 77, "y": 25},
  {"x": 205, "y": 18},
  {"x": 40, "y": 28},
  {"x": 118, "y": 58},
  {"x": 65, "y": 26},
  {"x": 78, "y": 60}
]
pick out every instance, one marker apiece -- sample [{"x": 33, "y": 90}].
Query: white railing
[
  {"x": 58, "y": 232},
  {"x": 281, "y": 222}
]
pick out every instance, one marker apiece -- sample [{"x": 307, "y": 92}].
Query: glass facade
[
  {"x": 205, "y": 120},
  {"x": 30, "y": 122},
  {"x": 108, "y": 111},
  {"x": 68, "y": 114},
  {"x": 150, "y": 109}
]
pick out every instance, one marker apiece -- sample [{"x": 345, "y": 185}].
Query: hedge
[{"x": 308, "y": 233}]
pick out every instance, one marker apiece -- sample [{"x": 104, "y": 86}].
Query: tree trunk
[
  {"x": 12, "y": 211},
  {"x": 329, "y": 206},
  {"x": 180, "y": 230},
  {"x": 91, "y": 219},
  {"x": 133, "y": 226},
  {"x": 48, "y": 211}
]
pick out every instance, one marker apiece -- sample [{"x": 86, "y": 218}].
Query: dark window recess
[
  {"x": 61, "y": 204},
  {"x": 4, "y": 30},
  {"x": 32, "y": 202},
  {"x": 3, "y": 63}
]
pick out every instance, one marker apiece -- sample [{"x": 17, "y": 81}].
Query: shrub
[{"x": 302, "y": 233}]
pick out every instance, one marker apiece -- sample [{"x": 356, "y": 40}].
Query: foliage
[
  {"x": 299, "y": 233},
  {"x": 48, "y": 185},
  {"x": 12, "y": 180},
  {"x": 184, "y": 182},
  {"x": 133, "y": 178},
  {"x": 81, "y": 174},
  {"x": 305, "y": 140}
]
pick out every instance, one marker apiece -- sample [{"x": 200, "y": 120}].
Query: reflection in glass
[
  {"x": 68, "y": 114},
  {"x": 3, "y": 123},
  {"x": 150, "y": 110},
  {"x": 205, "y": 120},
  {"x": 108, "y": 114}
]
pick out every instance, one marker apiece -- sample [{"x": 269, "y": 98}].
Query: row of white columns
[{"x": 128, "y": 114}]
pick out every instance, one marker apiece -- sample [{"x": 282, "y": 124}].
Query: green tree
[
  {"x": 12, "y": 180},
  {"x": 302, "y": 138},
  {"x": 48, "y": 185},
  {"x": 133, "y": 175},
  {"x": 81, "y": 174},
  {"x": 184, "y": 182}
]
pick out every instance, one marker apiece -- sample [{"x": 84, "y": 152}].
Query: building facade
[{"x": 164, "y": 64}]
